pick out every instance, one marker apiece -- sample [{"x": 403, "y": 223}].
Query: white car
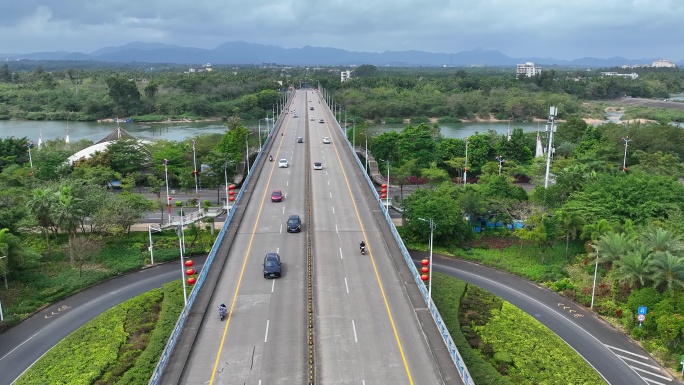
[
  {"x": 318, "y": 166},
  {"x": 326, "y": 140},
  {"x": 312, "y": 119},
  {"x": 283, "y": 163},
  {"x": 295, "y": 115}
]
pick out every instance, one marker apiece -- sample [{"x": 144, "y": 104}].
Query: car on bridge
[
  {"x": 272, "y": 265},
  {"x": 318, "y": 166},
  {"x": 283, "y": 163},
  {"x": 294, "y": 224},
  {"x": 321, "y": 121},
  {"x": 326, "y": 140},
  {"x": 277, "y": 196}
]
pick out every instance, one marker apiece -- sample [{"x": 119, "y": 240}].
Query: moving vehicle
[
  {"x": 283, "y": 163},
  {"x": 277, "y": 196},
  {"x": 270, "y": 158},
  {"x": 300, "y": 139},
  {"x": 272, "y": 265},
  {"x": 318, "y": 166},
  {"x": 326, "y": 140},
  {"x": 362, "y": 247},
  {"x": 223, "y": 311},
  {"x": 294, "y": 224},
  {"x": 311, "y": 108},
  {"x": 321, "y": 121}
]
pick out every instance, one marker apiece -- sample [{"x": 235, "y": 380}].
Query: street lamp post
[
  {"x": 553, "y": 111},
  {"x": 194, "y": 161},
  {"x": 247, "y": 153},
  {"x": 500, "y": 159},
  {"x": 624, "y": 159},
  {"x": 168, "y": 198},
  {"x": 465, "y": 167},
  {"x": 180, "y": 232},
  {"x": 593, "y": 288},
  {"x": 433, "y": 226},
  {"x": 149, "y": 229}
]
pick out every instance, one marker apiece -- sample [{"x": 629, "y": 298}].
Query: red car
[{"x": 277, "y": 196}]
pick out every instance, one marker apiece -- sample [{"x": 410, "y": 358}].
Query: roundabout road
[
  {"x": 614, "y": 356},
  {"x": 25, "y": 343}
]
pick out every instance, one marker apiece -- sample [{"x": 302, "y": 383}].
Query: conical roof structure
[{"x": 117, "y": 134}]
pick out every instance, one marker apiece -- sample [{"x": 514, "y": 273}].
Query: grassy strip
[
  {"x": 658, "y": 114},
  {"x": 503, "y": 345},
  {"x": 447, "y": 293},
  {"x": 53, "y": 278},
  {"x": 530, "y": 353},
  {"x": 121, "y": 345}
]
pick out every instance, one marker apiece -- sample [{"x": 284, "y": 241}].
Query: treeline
[{"x": 479, "y": 94}]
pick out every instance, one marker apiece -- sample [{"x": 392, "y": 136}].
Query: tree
[
  {"x": 667, "y": 270},
  {"x": 434, "y": 175},
  {"x": 365, "y": 70},
  {"x": 569, "y": 224},
  {"x": 84, "y": 248},
  {"x": 633, "y": 267},
  {"x": 124, "y": 93},
  {"x": 40, "y": 205},
  {"x": 593, "y": 231},
  {"x": 661, "y": 240},
  {"x": 613, "y": 246},
  {"x": 67, "y": 215},
  {"x": 539, "y": 230},
  {"x": 127, "y": 156}
]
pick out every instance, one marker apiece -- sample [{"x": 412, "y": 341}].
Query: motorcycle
[
  {"x": 223, "y": 312},
  {"x": 270, "y": 158},
  {"x": 363, "y": 249}
]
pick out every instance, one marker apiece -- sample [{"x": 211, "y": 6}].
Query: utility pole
[{"x": 553, "y": 112}]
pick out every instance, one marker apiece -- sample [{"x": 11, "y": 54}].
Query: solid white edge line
[
  {"x": 354, "y": 327},
  {"x": 266, "y": 335}
]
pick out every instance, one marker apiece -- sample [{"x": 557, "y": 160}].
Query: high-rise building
[{"x": 528, "y": 69}]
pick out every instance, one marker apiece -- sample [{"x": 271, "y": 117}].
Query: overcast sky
[{"x": 567, "y": 29}]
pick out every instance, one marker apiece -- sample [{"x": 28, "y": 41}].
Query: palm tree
[
  {"x": 663, "y": 240},
  {"x": 666, "y": 270},
  {"x": 633, "y": 267},
  {"x": 593, "y": 231},
  {"x": 613, "y": 246},
  {"x": 40, "y": 205},
  {"x": 570, "y": 223},
  {"x": 67, "y": 215}
]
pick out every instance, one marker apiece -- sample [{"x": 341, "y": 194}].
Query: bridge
[{"x": 335, "y": 316}]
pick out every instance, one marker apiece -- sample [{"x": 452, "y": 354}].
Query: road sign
[
  {"x": 641, "y": 310},
  {"x": 641, "y": 318}
]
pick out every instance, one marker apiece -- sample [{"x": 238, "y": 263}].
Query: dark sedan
[
  {"x": 272, "y": 265},
  {"x": 294, "y": 224}
]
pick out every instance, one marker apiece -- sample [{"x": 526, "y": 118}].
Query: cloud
[{"x": 562, "y": 29}]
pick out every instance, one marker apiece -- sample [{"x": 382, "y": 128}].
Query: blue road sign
[{"x": 641, "y": 310}]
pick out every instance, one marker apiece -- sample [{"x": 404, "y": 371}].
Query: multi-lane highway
[{"x": 366, "y": 330}]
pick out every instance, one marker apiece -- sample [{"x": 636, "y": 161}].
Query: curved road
[
  {"x": 25, "y": 343},
  {"x": 617, "y": 358}
]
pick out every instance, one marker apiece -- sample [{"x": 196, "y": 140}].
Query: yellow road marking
[
  {"x": 375, "y": 268},
  {"x": 244, "y": 263}
]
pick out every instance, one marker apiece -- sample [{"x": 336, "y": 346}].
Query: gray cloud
[{"x": 551, "y": 28}]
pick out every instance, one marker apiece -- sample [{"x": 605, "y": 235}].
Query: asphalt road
[
  {"x": 366, "y": 329},
  {"x": 618, "y": 359},
  {"x": 25, "y": 343}
]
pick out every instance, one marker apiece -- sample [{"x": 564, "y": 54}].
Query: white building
[
  {"x": 633, "y": 75},
  {"x": 662, "y": 63},
  {"x": 345, "y": 75},
  {"x": 528, "y": 69}
]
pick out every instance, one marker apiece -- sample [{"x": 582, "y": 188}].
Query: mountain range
[{"x": 241, "y": 53}]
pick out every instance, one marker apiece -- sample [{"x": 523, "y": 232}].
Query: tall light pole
[
  {"x": 553, "y": 111},
  {"x": 433, "y": 226},
  {"x": 29, "y": 144},
  {"x": 168, "y": 198},
  {"x": 593, "y": 288},
  {"x": 194, "y": 161},
  {"x": 465, "y": 168},
  {"x": 179, "y": 231},
  {"x": 149, "y": 229},
  {"x": 247, "y": 152},
  {"x": 500, "y": 159},
  {"x": 624, "y": 159}
]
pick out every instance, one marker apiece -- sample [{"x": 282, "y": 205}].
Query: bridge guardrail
[
  {"x": 171, "y": 343},
  {"x": 446, "y": 336}
]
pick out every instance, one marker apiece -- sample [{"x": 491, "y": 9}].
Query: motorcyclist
[
  {"x": 223, "y": 310},
  {"x": 270, "y": 158},
  {"x": 362, "y": 246}
]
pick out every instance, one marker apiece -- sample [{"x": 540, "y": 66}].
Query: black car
[
  {"x": 300, "y": 140},
  {"x": 294, "y": 224},
  {"x": 272, "y": 265}
]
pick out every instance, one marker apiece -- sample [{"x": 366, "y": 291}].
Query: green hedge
[{"x": 120, "y": 346}]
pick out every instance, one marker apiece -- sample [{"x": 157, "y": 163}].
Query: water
[
  {"x": 464, "y": 130},
  {"x": 95, "y": 132},
  {"x": 677, "y": 97}
]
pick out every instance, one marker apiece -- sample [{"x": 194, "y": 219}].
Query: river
[{"x": 93, "y": 131}]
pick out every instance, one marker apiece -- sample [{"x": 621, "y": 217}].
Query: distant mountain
[{"x": 249, "y": 53}]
